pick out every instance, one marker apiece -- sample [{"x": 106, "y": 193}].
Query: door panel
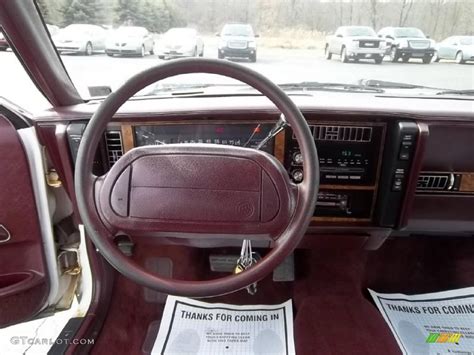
[{"x": 24, "y": 285}]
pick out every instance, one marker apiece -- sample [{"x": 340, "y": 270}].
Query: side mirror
[
  {"x": 257, "y": 36},
  {"x": 339, "y": 35},
  {"x": 218, "y": 34},
  {"x": 380, "y": 36},
  {"x": 427, "y": 36}
]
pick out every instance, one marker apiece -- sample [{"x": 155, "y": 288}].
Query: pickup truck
[{"x": 354, "y": 43}]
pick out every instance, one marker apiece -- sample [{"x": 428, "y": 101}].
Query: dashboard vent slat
[
  {"x": 434, "y": 182},
  {"x": 342, "y": 133},
  {"x": 114, "y": 145}
]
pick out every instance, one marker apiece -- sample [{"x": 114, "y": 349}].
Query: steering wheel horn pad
[
  {"x": 192, "y": 190},
  {"x": 197, "y": 190}
]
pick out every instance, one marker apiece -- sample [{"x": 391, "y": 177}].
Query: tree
[
  {"x": 83, "y": 11},
  {"x": 405, "y": 11},
  {"x": 373, "y": 12},
  {"x": 44, "y": 9},
  {"x": 128, "y": 12}
]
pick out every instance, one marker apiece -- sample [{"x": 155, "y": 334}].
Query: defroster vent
[{"x": 114, "y": 146}]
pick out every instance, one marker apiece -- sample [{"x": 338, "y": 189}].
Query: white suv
[{"x": 354, "y": 43}]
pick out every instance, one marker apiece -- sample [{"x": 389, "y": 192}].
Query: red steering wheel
[{"x": 196, "y": 190}]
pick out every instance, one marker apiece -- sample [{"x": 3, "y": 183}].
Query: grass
[{"x": 291, "y": 38}]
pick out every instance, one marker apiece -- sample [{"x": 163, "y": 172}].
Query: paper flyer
[
  {"x": 194, "y": 327},
  {"x": 432, "y": 323}
]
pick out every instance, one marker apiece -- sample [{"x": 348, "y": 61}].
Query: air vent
[
  {"x": 435, "y": 182},
  {"x": 114, "y": 146},
  {"x": 342, "y": 133}
]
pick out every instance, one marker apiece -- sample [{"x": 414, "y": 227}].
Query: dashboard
[
  {"x": 351, "y": 156},
  {"x": 387, "y": 170}
]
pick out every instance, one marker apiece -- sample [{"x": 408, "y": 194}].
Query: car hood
[
  {"x": 178, "y": 41},
  {"x": 124, "y": 38},
  {"x": 238, "y": 38},
  {"x": 365, "y": 38},
  {"x": 412, "y": 39}
]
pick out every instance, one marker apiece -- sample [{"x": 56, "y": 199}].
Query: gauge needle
[
  {"x": 279, "y": 126},
  {"x": 255, "y": 131}
]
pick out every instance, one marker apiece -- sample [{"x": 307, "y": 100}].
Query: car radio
[{"x": 348, "y": 154}]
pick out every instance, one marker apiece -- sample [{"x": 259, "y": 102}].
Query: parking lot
[{"x": 281, "y": 65}]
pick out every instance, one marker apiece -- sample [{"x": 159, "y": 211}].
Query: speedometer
[{"x": 242, "y": 135}]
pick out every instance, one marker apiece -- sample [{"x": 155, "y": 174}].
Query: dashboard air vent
[
  {"x": 435, "y": 182},
  {"x": 114, "y": 146},
  {"x": 342, "y": 133}
]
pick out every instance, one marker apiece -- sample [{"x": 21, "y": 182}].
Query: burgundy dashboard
[{"x": 384, "y": 169}]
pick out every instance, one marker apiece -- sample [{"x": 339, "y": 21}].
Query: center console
[{"x": 349, "y": 162}]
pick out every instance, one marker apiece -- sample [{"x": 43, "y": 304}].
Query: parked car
[
  {"x": 406, "y": 43},
  {"x": 3, "y": 42},
  {"x": 130, "y": 40},
  {"x": 355, "y": 42},
  {"x": 53, "y": 30},
  {"x": 180, "y": 42},
  {"x": 80, "y": 38},
  {"x": 460, "y": 48},
  {"x": 237, "y": 41}
]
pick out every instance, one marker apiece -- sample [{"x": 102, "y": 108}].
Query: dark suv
[
  {"x": 237, "y": 41},
  {"x": 406, "y": 43}
]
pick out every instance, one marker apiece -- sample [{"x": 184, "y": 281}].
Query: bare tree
[
  {"x": 373, "y": 12},
  {"x": 436, "y": 11},
  {"x": 405, "y": 11}
]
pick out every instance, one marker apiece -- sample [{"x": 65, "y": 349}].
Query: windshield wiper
[
  {"x": 183, "y": 89},
  {"x": 467, "y": 92},
  {"x": 315, "y": 86},
  {"x": 370, "y": 83},
  {"x": 396, "y": 85}
]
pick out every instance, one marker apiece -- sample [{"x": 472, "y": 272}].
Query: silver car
[
  {"x": 459, "y": 48},
  {"x": 180, "y": 42},
  {"x": 80, "y": 38},
  {"x": 130, "y": 40}
]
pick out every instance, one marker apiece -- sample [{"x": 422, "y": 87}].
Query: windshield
[
  {"x": 131, "y": 31},
  {"x": 180, "y": 32},
  {"x": 289, "y": 41},
  {"x": 359, "y": 31},
  {"x": 467, "y": 41},
  {"x": 75, "y": 29},
  {"x": 408, "y": 32},
  {"x": 237, "y": 30}
]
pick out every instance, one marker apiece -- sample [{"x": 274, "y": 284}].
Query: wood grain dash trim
[
  {"x": 127, "y": 137},
  {"x": 279, "y": 150},
  {"x": 467, "y": 182}
]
